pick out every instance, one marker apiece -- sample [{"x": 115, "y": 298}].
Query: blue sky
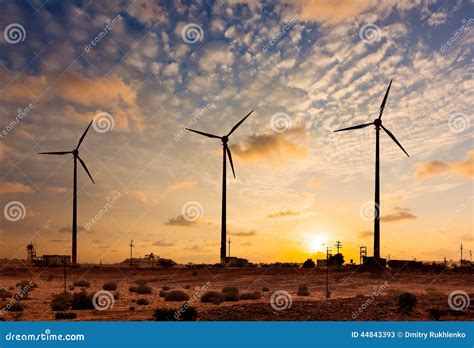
[{"x": 306, "y": 68}]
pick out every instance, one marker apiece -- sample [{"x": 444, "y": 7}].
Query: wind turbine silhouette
[
  {"x": 76, "y": 157},
  {"x": 225, "y": 152},
  {"x": 378, "y": 124}
]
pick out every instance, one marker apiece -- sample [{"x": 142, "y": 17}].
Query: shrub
[
  {"x": 61, "y": 302},
  {"x": 187, "y": 287},
  {"x": 14, "y": 307},
  {"x": 170, "y": 314},
  {"x": 110, "y": 286},
  {"x": 141, "y": 282},
  {"x": 4, "y": 294},
  {"x": 116, "y": 295},
  {"x": 309, "y": 263},
  {"x": 132, "y": 289},
  {"x": 163, "y": 293},
  {"x": 303, "y": 290},
  {"x": 50, "y": 277},
  {"x": 82, "y": 300},
  {"x": 212, "y": 297},
  {"x": 250, "y": 295},
  {"x": 195, "y": 273},
  {"x": 435, "y": 313},
  {"x": 230, "y": 289},
  {"x": 407, "y": 301},
  {"x": 82, "y": 283},
  {"x": 71, "y": 287},
  {"x": 131, "y": 308},
  {"x": 143, "y": 302},
  {"x": 26, "y": 284},
  {"x": 265, "y": 289},
  {"x": 143, "y": 289},
  {"x": 231, "y": 296},
  {"x": 176, "y": 295},
  {"x": 65, "y": 315},
  {"x": 165, "y": 287}
]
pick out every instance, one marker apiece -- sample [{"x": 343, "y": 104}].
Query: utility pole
[
  {"x": 461, "y": 253},
  {"x": 64, "y": 270},
  {"x": 338, "y": 246},
  {"x": 229, "y": 245},
  {"x": 131, "y": 252},
  {"x": 470, "y": 255},
  {"x": 327, "y": 272}
]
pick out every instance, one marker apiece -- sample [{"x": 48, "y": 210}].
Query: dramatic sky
[{"x": 144, "y": 70}]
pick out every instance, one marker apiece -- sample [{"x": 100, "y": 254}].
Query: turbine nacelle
[
  {"x": 225, "y": 139},
  {"x": 378, "y": 122}
]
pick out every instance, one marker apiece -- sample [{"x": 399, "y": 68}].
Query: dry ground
[{"x": 349, "y": 291}]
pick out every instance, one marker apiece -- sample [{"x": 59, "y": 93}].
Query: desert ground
[{"x": 370, "y": 296}]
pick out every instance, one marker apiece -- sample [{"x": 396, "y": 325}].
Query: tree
[
  {"x": 336, "y": 260},
  {"x": 309, "y": 263}
]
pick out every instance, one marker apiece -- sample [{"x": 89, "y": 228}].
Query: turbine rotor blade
[
  {"x": 240, "y": 122},
  {"x": 55, "y": 153},
  {"x": 203, "y": 133},
  {"x": 394, "y": 139},
  {"x": 85, "y": 167},
  {"x": 355, "y": 127},
  {"x": 230, "y": 159},
  {"x": 382, "y": 106},
  {"x": 83, "y": 135}
]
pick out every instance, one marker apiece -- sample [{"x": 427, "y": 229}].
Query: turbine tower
[
  {"x": 225, "y": 152},
  {"x": 75, "y": 154},
  {"x": 378, "y": 125}
]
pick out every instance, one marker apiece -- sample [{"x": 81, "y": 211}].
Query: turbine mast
[
  {"x": 74, "y": 214},
  {"x": 224, "y": 205},
  {"x": 377, "y": 194}
]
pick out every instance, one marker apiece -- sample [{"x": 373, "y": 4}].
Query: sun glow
[{"x": 317, "y": 242}]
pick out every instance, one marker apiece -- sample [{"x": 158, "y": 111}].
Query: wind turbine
[
  {"x": 378, "y": 125},
  {"x": 225, "y": 152},
  {"x": 75, "y": 154}
]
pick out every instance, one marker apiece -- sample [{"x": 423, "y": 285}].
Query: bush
[
  {"x": 14, "y": 307},
  {"x": 163, "y": 293},
  {"x": 309, "y": 263},
  {"x": 407, "y": 301},
  {"x": 435, "y": 313},
  {"x": 65, "y": 315},
  {"x": 143, "y": 302},
  {"x": 264, "y": 289},
  {"x": 131, "y": 308},
  {"x": 303, "y": 290},
  {"x": 212, "y": 297},
  {"x": 143, "y": 290},
  {"x": 4, "y": 294},
  {"x": 61, "y": 302},
  {"x": 71, "y": 287},
  {"x": 250, "y": 295},
  {"x": 110, "y": 286},
  {"x": 170, "y": 314},
  {"x": 116, "y": 295},
  {"x": 82, "y": 300},
  {"x": 141, "y": 282},
  {"x": 195, "y": 273},
  {"x": 82, "y": 283},
  {"x": 230, "y": 289},
  {"x": 176, "y": 295},
  {"x": 165, "y": 287},
  {"x": 26, "y": 284},
  {"x": 132, "y": 289},
  {"x": 187, "y": 287},
  {"x": 231, "y": 296}
]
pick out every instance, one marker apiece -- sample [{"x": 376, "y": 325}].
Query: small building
[
  {"x": 53, "y": 261},
  {"x": 232, "y": 261},
  {"x": 321, "y": 263}
]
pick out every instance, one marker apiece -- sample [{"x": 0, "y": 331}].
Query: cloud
[
  {"x": 142, "y": 197},
  {"x": 180, "y": 221},
  {"x": 333, "y": 11},
  {"x": 399, "y": 214},
  {"x": 244, "y": 234},
  {"x": 280, "y": 145},
  {"x": 435, "y": 168},
  {"x": 365, "y": 234},
  {"x": 315, "y": 182},
  {"x": 164, "y": 243},
  {"x": 14, "y": 187},
  {"x": 246, "y": 244},
  {"x": 68, "y": 229},
  {"x": 438, "y": 18},
  {"x": 281, "y": 214},
  {"x": 183, "y": 185}
]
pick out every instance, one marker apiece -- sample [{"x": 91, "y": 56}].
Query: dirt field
[{"x": 354, "y": 296}]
